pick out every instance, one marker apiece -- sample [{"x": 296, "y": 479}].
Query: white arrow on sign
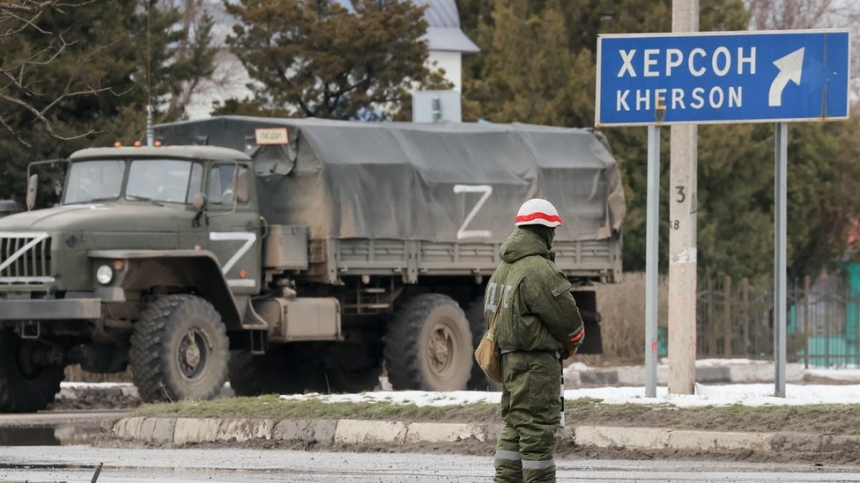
[{"x": 790, "y": 68}]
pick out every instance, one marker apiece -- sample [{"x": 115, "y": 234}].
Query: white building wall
[{"x": 451, "y": 62}]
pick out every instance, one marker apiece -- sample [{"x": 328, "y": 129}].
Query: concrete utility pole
[{"x": 682, "y": 233}]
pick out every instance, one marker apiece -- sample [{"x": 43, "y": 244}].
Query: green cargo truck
[{"x": 290, "y": 255}]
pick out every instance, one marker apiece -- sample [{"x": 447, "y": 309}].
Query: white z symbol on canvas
[{"x": 487, "y": 190}]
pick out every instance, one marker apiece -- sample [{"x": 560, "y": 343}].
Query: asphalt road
[{"x": 77, "y": 464}]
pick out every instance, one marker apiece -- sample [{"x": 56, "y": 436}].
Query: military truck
[{"x": 290, "y": 255}]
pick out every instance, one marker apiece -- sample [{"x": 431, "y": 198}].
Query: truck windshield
[
  {"x": 90, "y": 181},
  {"x": 168, "y": 180}
]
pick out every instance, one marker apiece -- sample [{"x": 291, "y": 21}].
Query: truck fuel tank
[{"x": 300, "y": 319}]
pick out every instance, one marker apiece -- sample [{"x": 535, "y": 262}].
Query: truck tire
[
  {"x": 428, "y": 345},
  {"x": 179, "y": 350},
  {"x": 24, "y": 387},
  {"x": 475, "y": 313},
  {"x": 271, "y": 373}
]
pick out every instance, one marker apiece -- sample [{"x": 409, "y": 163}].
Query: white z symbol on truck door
[
  {"x": 249, "y": 239},
  {"x": 481, "y": 188}
]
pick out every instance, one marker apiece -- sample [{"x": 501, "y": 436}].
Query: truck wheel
[
  {"x": 475, "y": 313},
  {"x": 428, "y": 345},
  {"x": 24, "y": 386},
  {"x": 270, "y": 373},
  {"x": 179, "y": 350}
]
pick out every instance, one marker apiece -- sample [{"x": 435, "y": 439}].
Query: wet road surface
[
  {"x": 78, "y": 464},
  {"x": 52, "y": 428}
]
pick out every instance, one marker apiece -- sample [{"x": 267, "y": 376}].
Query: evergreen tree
[
  {"x": 315, "y": 58},
  {"x": 527, "y": 71}
]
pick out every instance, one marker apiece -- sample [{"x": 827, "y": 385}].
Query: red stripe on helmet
[{"x": 538, "y": 215}]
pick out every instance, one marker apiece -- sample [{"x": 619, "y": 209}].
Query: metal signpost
[{"x": 722, "y": 77}]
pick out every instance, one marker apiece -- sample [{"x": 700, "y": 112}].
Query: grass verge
[
  {"x": 825, "y": 418},
  {"x": 270, "y": 407}
]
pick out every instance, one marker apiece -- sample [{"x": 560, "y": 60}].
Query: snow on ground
[
  {"x": 836, "y": 374},
  {"x": 706, "y": 395},
  {"x": 722, "y": 395}
]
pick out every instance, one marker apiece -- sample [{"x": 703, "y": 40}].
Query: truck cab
[{"x": 127, "y": 270}]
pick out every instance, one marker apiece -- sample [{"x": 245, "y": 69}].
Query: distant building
[{"x": 446, "y": 41}]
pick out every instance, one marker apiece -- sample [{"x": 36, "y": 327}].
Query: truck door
[{"x": 234, "y": 225}]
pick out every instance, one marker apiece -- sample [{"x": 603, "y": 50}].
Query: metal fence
[{"x": 823, "y": 321}]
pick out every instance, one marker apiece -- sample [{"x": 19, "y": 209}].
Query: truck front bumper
[{"x": 62, "y": 309}]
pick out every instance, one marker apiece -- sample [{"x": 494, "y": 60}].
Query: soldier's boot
[
  {"x": 509, "y": 468},
  {"x": 539, "y": 471}
]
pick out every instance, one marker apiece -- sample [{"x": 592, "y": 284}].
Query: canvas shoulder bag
[{"x": 487, "y": 354}]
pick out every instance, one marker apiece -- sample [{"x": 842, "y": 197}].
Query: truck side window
[
  {"x": 224, "y": 186},
  {"x": 243, "y": 185},
  {"x": 196, "y": 184}
]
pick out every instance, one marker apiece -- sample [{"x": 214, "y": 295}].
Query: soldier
[{"x": 539, "y": 324}]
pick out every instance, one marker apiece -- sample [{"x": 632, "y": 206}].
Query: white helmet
[{"x": 538, "y": 212}]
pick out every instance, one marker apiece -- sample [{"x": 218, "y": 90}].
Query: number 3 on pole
[{"x": 487, "y": 190}]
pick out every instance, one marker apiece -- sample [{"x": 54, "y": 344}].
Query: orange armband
[{"x": 576, "y": 337}]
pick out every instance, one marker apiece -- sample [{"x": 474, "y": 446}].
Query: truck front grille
[{"x": 25, "y": 258}]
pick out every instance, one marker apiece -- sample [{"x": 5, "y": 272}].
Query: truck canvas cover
[{"x": 444, "y": 182}]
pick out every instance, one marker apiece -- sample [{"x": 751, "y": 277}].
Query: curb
[
  {"x": 352, "y": 431},
  {"x": 324, "y": 431}
]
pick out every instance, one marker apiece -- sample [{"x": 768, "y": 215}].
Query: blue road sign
[{"x": 719, "y": 77}]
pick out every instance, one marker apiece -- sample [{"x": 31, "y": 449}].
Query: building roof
[
  {"x": 443, "y": 31},
  {"x": 440, "y": 13},
  {"x": 448, "y": 39}
]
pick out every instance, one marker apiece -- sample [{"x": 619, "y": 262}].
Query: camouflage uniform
[{"x": 538, "y": 320}]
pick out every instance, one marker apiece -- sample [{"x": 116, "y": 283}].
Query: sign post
[
  {"x": 652, "y": 242},
  {"x": 683, "y": 232},
  {"x": 726, "y": 77},
  {"x": 780, "y": 242}
]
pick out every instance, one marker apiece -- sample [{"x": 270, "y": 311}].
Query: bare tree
[
  {"x": 19, "y": 87},
  {"x": 790, "y": 14},
  {"x": 811, "y": 14}
]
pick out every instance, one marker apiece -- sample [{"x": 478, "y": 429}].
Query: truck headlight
[{"x": 104, "y": 274}]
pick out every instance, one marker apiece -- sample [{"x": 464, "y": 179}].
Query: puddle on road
[{"x": 60, "y": 435}]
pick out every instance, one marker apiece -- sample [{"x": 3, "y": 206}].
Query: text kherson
[{"x": 656, "y": 63}]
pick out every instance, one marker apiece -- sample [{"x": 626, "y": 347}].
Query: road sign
[{"x": 719, "y": 77}]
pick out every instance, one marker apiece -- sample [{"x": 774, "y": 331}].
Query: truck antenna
[{"x": 149, "y": 131}]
